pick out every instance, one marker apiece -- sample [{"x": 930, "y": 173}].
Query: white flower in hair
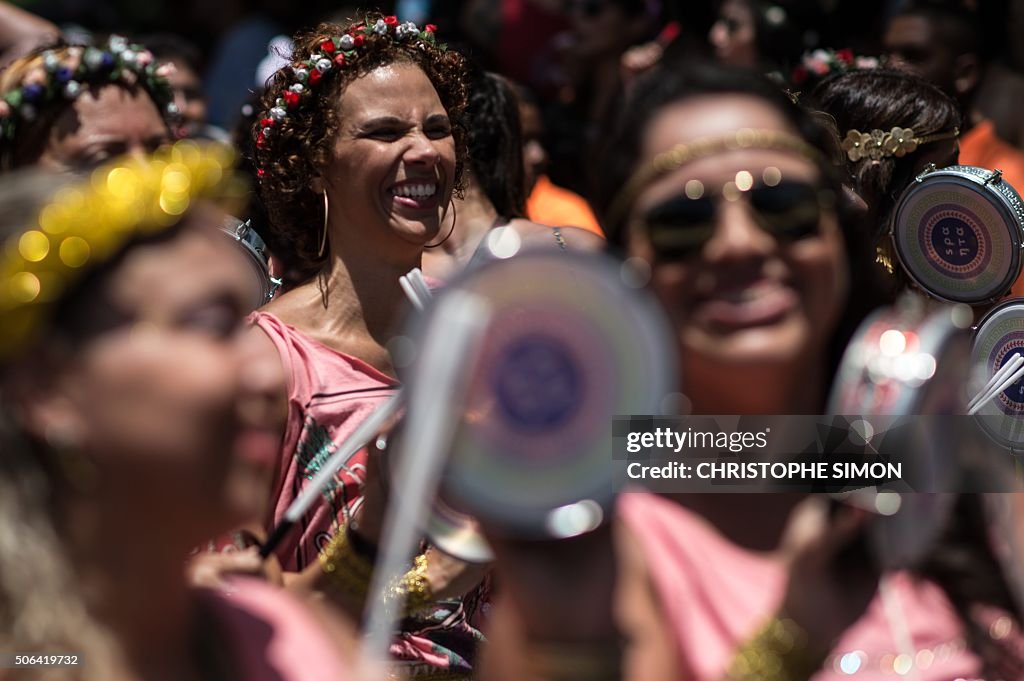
[
  {"x": 93, "y": 58},
  {"x": 323, "y": 65},
  {"x": 118, "y": 43},
  {"x": 297, "y": 88},
  {"x": 380, "y": 28},
  {"x": 71, "y": 89},
  {"x": 301, "y": 74},
  {"x": 347, "y": 43},
  {"x": 277, "y": 113},
  {"x": 407, "y": 29},
  {"x": 50, "y": 61}
]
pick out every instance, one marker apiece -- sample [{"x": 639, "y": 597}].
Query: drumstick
[
  {"x": 450, "y": 350},
  {"x": 993, "y": 387},
  {"x": 996, "y": 378},
  {"x": 1015, "y": 362},
  {"x": 363, "y": 433},
  {"x": 420, "y": 284},
  {"x": 1017, "y": 375},
  {"x": 410, "y": 293}
]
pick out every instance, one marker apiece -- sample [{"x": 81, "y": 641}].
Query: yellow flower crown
[
  {"x": 86, "y": 224},
  {"x": 898, "y": 142}
]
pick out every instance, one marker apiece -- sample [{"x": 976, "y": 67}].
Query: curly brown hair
[{"x": 293, "y": 155}]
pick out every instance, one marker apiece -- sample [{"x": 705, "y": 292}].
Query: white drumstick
[
  {"x": 420, "y": 284},
  {"x": 449, "y": 355},
  {"x": 1015, "y": 362},
  {"x": 363, "y": 433},
  {"x": 410, "y": 293},
  {"x": 1017, "y": 375}
]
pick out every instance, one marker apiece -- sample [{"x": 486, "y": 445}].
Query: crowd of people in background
[{"x": 156, "y": 428}]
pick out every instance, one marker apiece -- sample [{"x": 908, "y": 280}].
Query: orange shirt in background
[
  {"x": 552, "y": 205},
  {"x": 980, "y": 146}
]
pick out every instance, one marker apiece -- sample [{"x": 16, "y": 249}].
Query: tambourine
[
  {"x": 958, "y": 233},
  {"x": 998, "y": 338},
  {"x": 908, "y": 360},
  {"x": 257, "y": 255},
  {"x": 568, "y": 347},
  {"x": 905, "y": 360}
]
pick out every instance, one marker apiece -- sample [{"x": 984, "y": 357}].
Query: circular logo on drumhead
[
  {"x": 954, "y": 241},
  {"x": 537, "y": 383}
]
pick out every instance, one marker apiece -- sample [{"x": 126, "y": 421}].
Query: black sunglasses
[{"x": 679, "y": 227}]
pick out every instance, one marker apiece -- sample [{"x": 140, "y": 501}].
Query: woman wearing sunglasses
[
  {"x": 723, "y": 188},
  {"x": 128, "y": 393}
]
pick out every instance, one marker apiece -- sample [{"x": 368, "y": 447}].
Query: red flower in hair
[
  {"x": 328, "y": 46},
  {"x": 359, "y": 39},
  {"x": 260, "y": 172},
  {"x": 260, "y": 141},
  {"x": 290, "y": 98},
  {"x": 266, "y": 122},
  {"x": 845, "y": 55},
  {"x": 315, "y": 76},
  {"x": 339, "y": 59},
  {"x": 430, "y": 28},
  {"x": 799, "y": 75},
  {"x": 391, "y": 21}
]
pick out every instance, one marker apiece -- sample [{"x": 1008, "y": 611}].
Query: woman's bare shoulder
[{"x": 567, "y": 237}]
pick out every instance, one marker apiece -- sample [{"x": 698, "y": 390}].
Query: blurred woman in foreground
[
  {"x": 131, "y": 392},
  {"x": 722, "y": 187}
]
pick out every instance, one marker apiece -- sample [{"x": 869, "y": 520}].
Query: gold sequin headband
[
  {"x": 680, "y": 155},
  {"x": 86, "y": 224},
  {"x": 898, "y": 142}
]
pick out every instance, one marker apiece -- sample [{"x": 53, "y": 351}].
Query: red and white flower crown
[{"x": 334, "y": 53}]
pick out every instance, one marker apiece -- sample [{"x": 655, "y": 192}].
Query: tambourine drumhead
[
  {"x": 997, "y": 340},
  {"x": 568, "y": 348},
  {"x": 958, "y": 234},
  {"x": 899, "y": 362}
]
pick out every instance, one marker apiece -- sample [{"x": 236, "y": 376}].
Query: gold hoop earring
[
  {"x": 455, "y": 216},
  {"x": 323, "y": 237}
]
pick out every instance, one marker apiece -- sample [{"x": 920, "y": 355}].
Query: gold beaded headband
[
  {"x": 898, "y": 142},
  {"x": 86, "y": 224},
  {"x": 680, "y": 155}
]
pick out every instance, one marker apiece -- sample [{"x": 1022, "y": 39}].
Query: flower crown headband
[
  {"x": 86, "y": 224},
  {"x": 336, "y": 53},
  {"x": 898, "y": 142},
  {"x": 64, "y": 72}
]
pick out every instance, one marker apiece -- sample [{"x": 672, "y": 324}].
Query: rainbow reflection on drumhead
[{"x": 568, "y": 348}]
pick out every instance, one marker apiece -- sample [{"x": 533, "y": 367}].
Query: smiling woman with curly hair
[
  {"x": 301, "y": 129},
  {"x": 359, "y": 149}
]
